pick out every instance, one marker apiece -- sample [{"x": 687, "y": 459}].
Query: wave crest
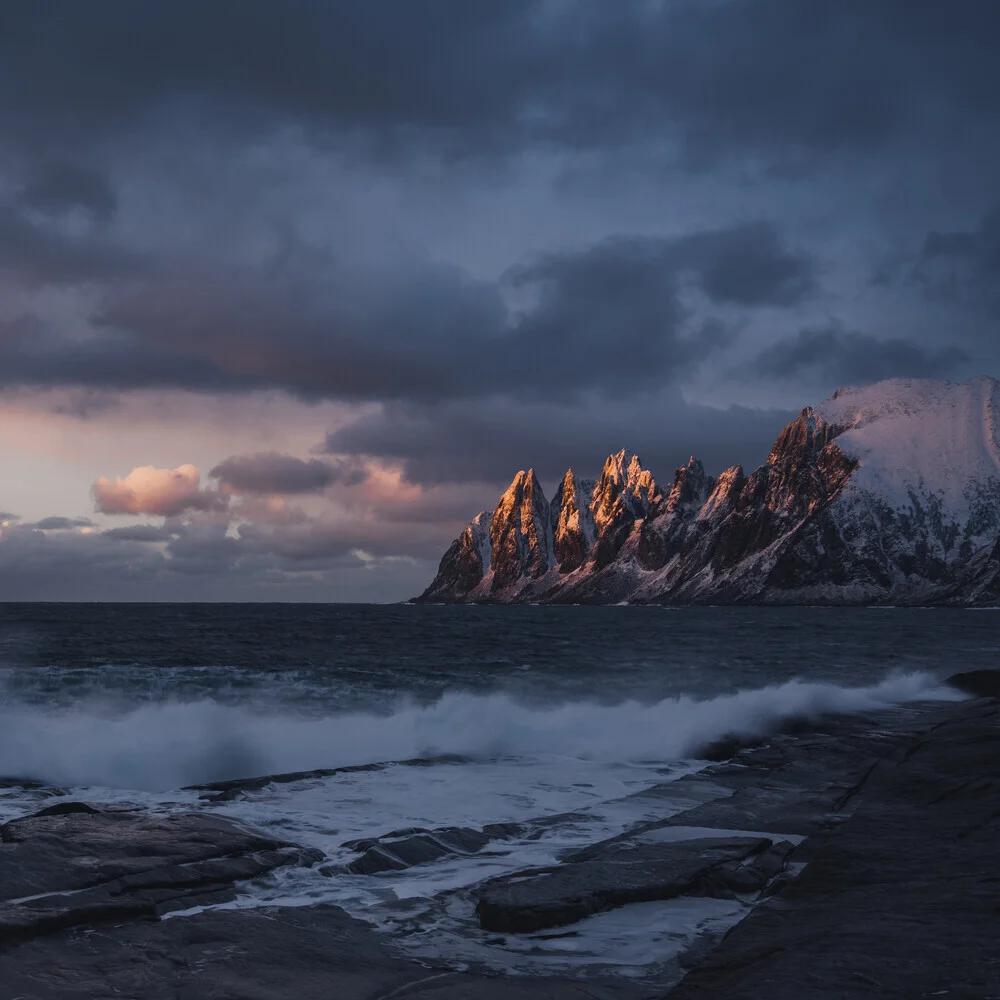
[{"x": 161, "y": 746}]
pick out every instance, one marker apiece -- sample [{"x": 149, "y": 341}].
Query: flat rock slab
[
  {"x": 901, "y": 900},
  {"x": 301, "y": 953},
  {"x": 55, "y": 851},
  {"x": 72, "y": 865},
  {"x": 633, "y": 875}
]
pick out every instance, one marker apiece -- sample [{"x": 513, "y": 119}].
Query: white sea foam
[
  {"x": 166, "y": 745},
  {"x": 576, "y": 767}
]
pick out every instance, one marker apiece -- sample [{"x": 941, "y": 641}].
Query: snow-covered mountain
[{"x": 884, "y": 494}]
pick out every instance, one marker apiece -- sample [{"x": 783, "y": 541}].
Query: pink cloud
[{"x": 148, "y": 490}]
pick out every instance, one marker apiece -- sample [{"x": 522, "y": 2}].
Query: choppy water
[{"x": 547, "y": 710}]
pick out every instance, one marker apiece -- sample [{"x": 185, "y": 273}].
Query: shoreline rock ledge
[
  {"x": 902, "y": 900},
  {"x": 888, "y": 494},
  {"x": 863, "y": 853}
]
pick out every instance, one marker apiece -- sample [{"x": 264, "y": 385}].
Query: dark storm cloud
[
  {"x": 60, "y": 523},
  {"x": 272, "y": 472},
  {"x": 61, "y": 187},
  {"x": 746, "y": 265},
  {"x": 847, "y": 356},
  {"x": 749, "y": 266},
  {"x": 150, "y": 153},
  {"x": 824, "y": 74},
  {"x": 141, "y": 533},
  {"x": 387, "y": 64},
  {"x": 600, "y": 318},
  {"x": 42, "y": 255},
  {"x": 31, "y": 355},
  {"x": 309, "y": 323},
  {"x": 963, "y": 267},
  {"x": 490, "y": 440}
]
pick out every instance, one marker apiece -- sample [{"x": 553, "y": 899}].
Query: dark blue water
[
  {"x": 560, "y": 718},
  {"x": 316, "y": 657}
]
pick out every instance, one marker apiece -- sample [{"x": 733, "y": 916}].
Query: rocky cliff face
[
  {"x": 520, "y": 534},
  {"x": 623, "y": 496},
  {"x": 573, "y": 528},
  {"x": 886, "y": 494}
]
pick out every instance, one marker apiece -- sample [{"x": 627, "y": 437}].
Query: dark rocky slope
[
  {"x": 889, "y": 494},
  {"x": 903, "y": 900}
]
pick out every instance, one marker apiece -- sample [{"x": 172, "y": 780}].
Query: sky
[{"x": 289, "y": 292}]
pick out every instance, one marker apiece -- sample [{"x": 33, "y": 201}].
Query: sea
[{"x": 550, "y": 717}]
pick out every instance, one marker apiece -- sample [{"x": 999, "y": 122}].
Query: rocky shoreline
[{"x": 861, "y": 855}]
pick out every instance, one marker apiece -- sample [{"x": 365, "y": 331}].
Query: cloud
[
  {"x": 57, "y": 188},
  {"x": 963, "y": 267},
  {"x": 254, "y": 549},
  {"x": 70, "y": 566},
  {"x": 315, "y": 325},
  {"x": 272, "y": 472},
  {"x": 531, "y": 242},
  {"x": 471, "y": 79},
  {"x": 749, "y": 265},
  {"x": 142, "y": 533},
  {"x": 198, "y": 563},
  {"x": 488, "y": 440},
  {"x": 148, "y": 490},
  {"x": 42, "y": 253},
  {"x": 847, "y": 356},
  {"x": 60, "y": 523},
  {"x": 33, "y": 354}
]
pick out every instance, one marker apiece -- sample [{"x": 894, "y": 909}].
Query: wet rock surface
[
  {"x": 405, "y": 848},
  {"x": 864, "y": 853},
  {"x": 616, "y": 877},
  {"x": 314, "y": 953},
  {"x": 980, "y": 683},
  {"x": 234, "y": 788},
  {"x": 902, "y": 900},
  {"x": 73, "y": 864}
]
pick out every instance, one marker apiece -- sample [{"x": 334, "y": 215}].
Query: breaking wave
[{"x": 156, "y": 747}]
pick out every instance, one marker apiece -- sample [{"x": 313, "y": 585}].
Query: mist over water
[
  {"x": 159, "y": 746},
  {"x": 158, "y": 696}
]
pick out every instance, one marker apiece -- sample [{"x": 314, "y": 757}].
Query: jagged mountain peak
[
  {"x": 887, "y": 493},
  {"x": 724, "y": 494},
  {"x": 619, "y": 465},
  {"x": 570, "y": 481},
  {"x": 809, "y": 431},
  {"x": 520, "y": 532},
  {"x": 522, "y": 478},
  {"x": 573, "y": 529},
  {"x": 690, "y": 485},
  {"x": 624, "y": 468},
  {"x": 623, "y": 473}
]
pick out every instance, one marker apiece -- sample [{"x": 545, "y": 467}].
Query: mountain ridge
[{"x": 886, "y": 494}]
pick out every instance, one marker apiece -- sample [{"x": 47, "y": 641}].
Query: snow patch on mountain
[
  {"x": 888, "y": 493},
  {"x": 921, "y": 437}
]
